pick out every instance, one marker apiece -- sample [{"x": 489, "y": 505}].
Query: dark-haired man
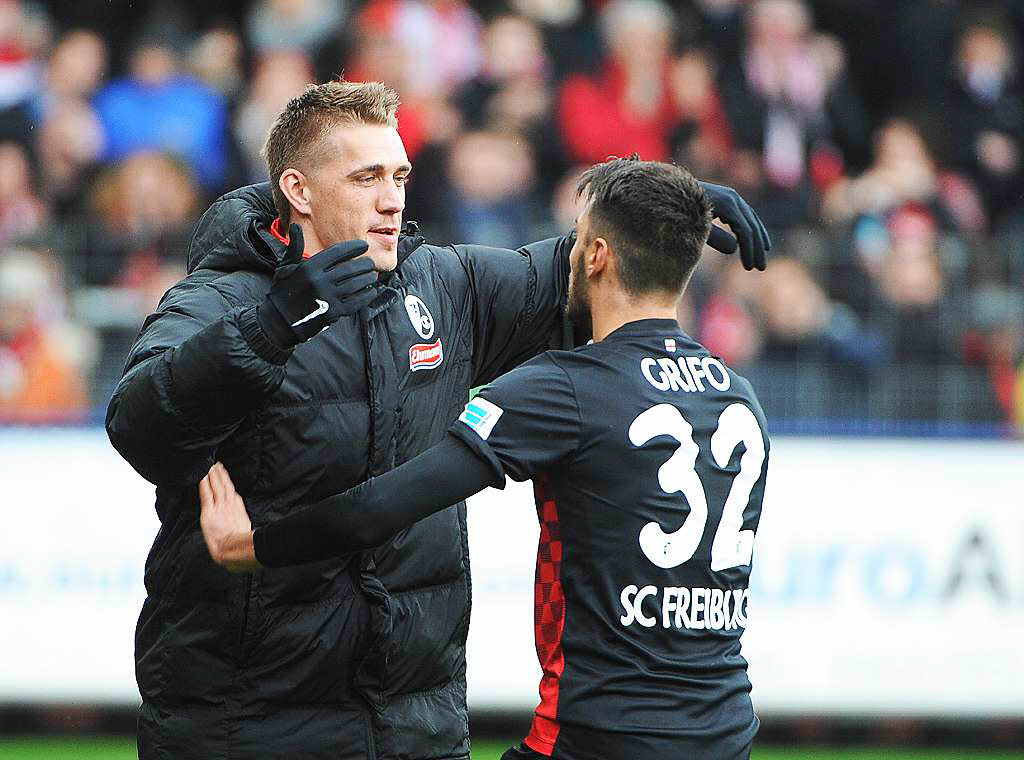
[
  {"x": 649, "y": 459},
  {"x": 354, "y": 657}
]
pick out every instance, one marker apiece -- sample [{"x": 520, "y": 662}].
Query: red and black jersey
[{"x": 649, "y": 459}]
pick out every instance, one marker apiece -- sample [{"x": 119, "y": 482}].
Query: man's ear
[
  {"x": 296, "y": 190},
  {"x": 598, "y": 258}
]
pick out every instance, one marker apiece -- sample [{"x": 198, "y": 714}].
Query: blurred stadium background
[{"x": 882, "y": 141}]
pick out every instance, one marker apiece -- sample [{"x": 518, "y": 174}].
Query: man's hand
[
  {"x": 309, "y": 294},
  {"x": 225, "y": 523},
  {"x": 746, "y": 225}
]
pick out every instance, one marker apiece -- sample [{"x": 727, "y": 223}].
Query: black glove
[
  {"x": 728, "y": 206},
  {"x": 309, "y": 294}
]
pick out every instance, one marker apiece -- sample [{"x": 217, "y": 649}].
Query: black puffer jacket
[{"x": 351, "y": 658}]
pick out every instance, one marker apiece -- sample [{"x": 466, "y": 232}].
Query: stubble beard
[{"x": 577, "y": 309}]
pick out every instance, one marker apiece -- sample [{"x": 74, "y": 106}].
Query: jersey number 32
[{"x": 732, "y": 546}]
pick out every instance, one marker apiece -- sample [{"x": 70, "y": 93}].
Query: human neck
[
  {"x": 612, "y": 310},
  {"x": 311, "y": 244},
  {"x": 310, "y": 240}
]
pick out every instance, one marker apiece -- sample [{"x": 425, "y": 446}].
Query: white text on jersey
[
  {"x": 685, "y": 373},
  {"x": 712, "y": 609}
]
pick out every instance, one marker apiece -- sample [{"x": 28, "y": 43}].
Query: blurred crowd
[{"x": 882, "y": 141}]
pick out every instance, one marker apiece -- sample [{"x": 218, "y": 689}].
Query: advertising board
[{"x": 888, "y": 577}]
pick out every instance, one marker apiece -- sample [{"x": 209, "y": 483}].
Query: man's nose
[{"x": 391, "y": 199}]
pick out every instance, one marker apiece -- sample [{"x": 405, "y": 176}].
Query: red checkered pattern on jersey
[{"x": 548, "y": 622}]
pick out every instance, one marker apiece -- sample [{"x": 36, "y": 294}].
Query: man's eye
[{"x": 401, "y": 179}]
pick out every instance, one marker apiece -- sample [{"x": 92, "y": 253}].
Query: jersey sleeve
[
  {"x": 373, "y": 511},
  {"x": 525, "y": 421}
]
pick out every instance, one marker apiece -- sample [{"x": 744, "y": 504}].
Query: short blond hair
[{"x": 295, "y": 139}]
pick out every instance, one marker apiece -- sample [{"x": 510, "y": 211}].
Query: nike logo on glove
[{"x": 321, "y": 308}]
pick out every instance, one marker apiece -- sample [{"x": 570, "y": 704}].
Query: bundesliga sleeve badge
[{"x": 481, "y": 416}]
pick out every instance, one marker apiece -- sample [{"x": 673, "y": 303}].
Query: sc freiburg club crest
[{"x": 420, "y": 317}]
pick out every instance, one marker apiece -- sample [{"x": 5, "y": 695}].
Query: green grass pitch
[{"x": 124, "y": 749}]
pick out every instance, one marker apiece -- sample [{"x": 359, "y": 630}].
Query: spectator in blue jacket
[{"x": 158, "y": 107}]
